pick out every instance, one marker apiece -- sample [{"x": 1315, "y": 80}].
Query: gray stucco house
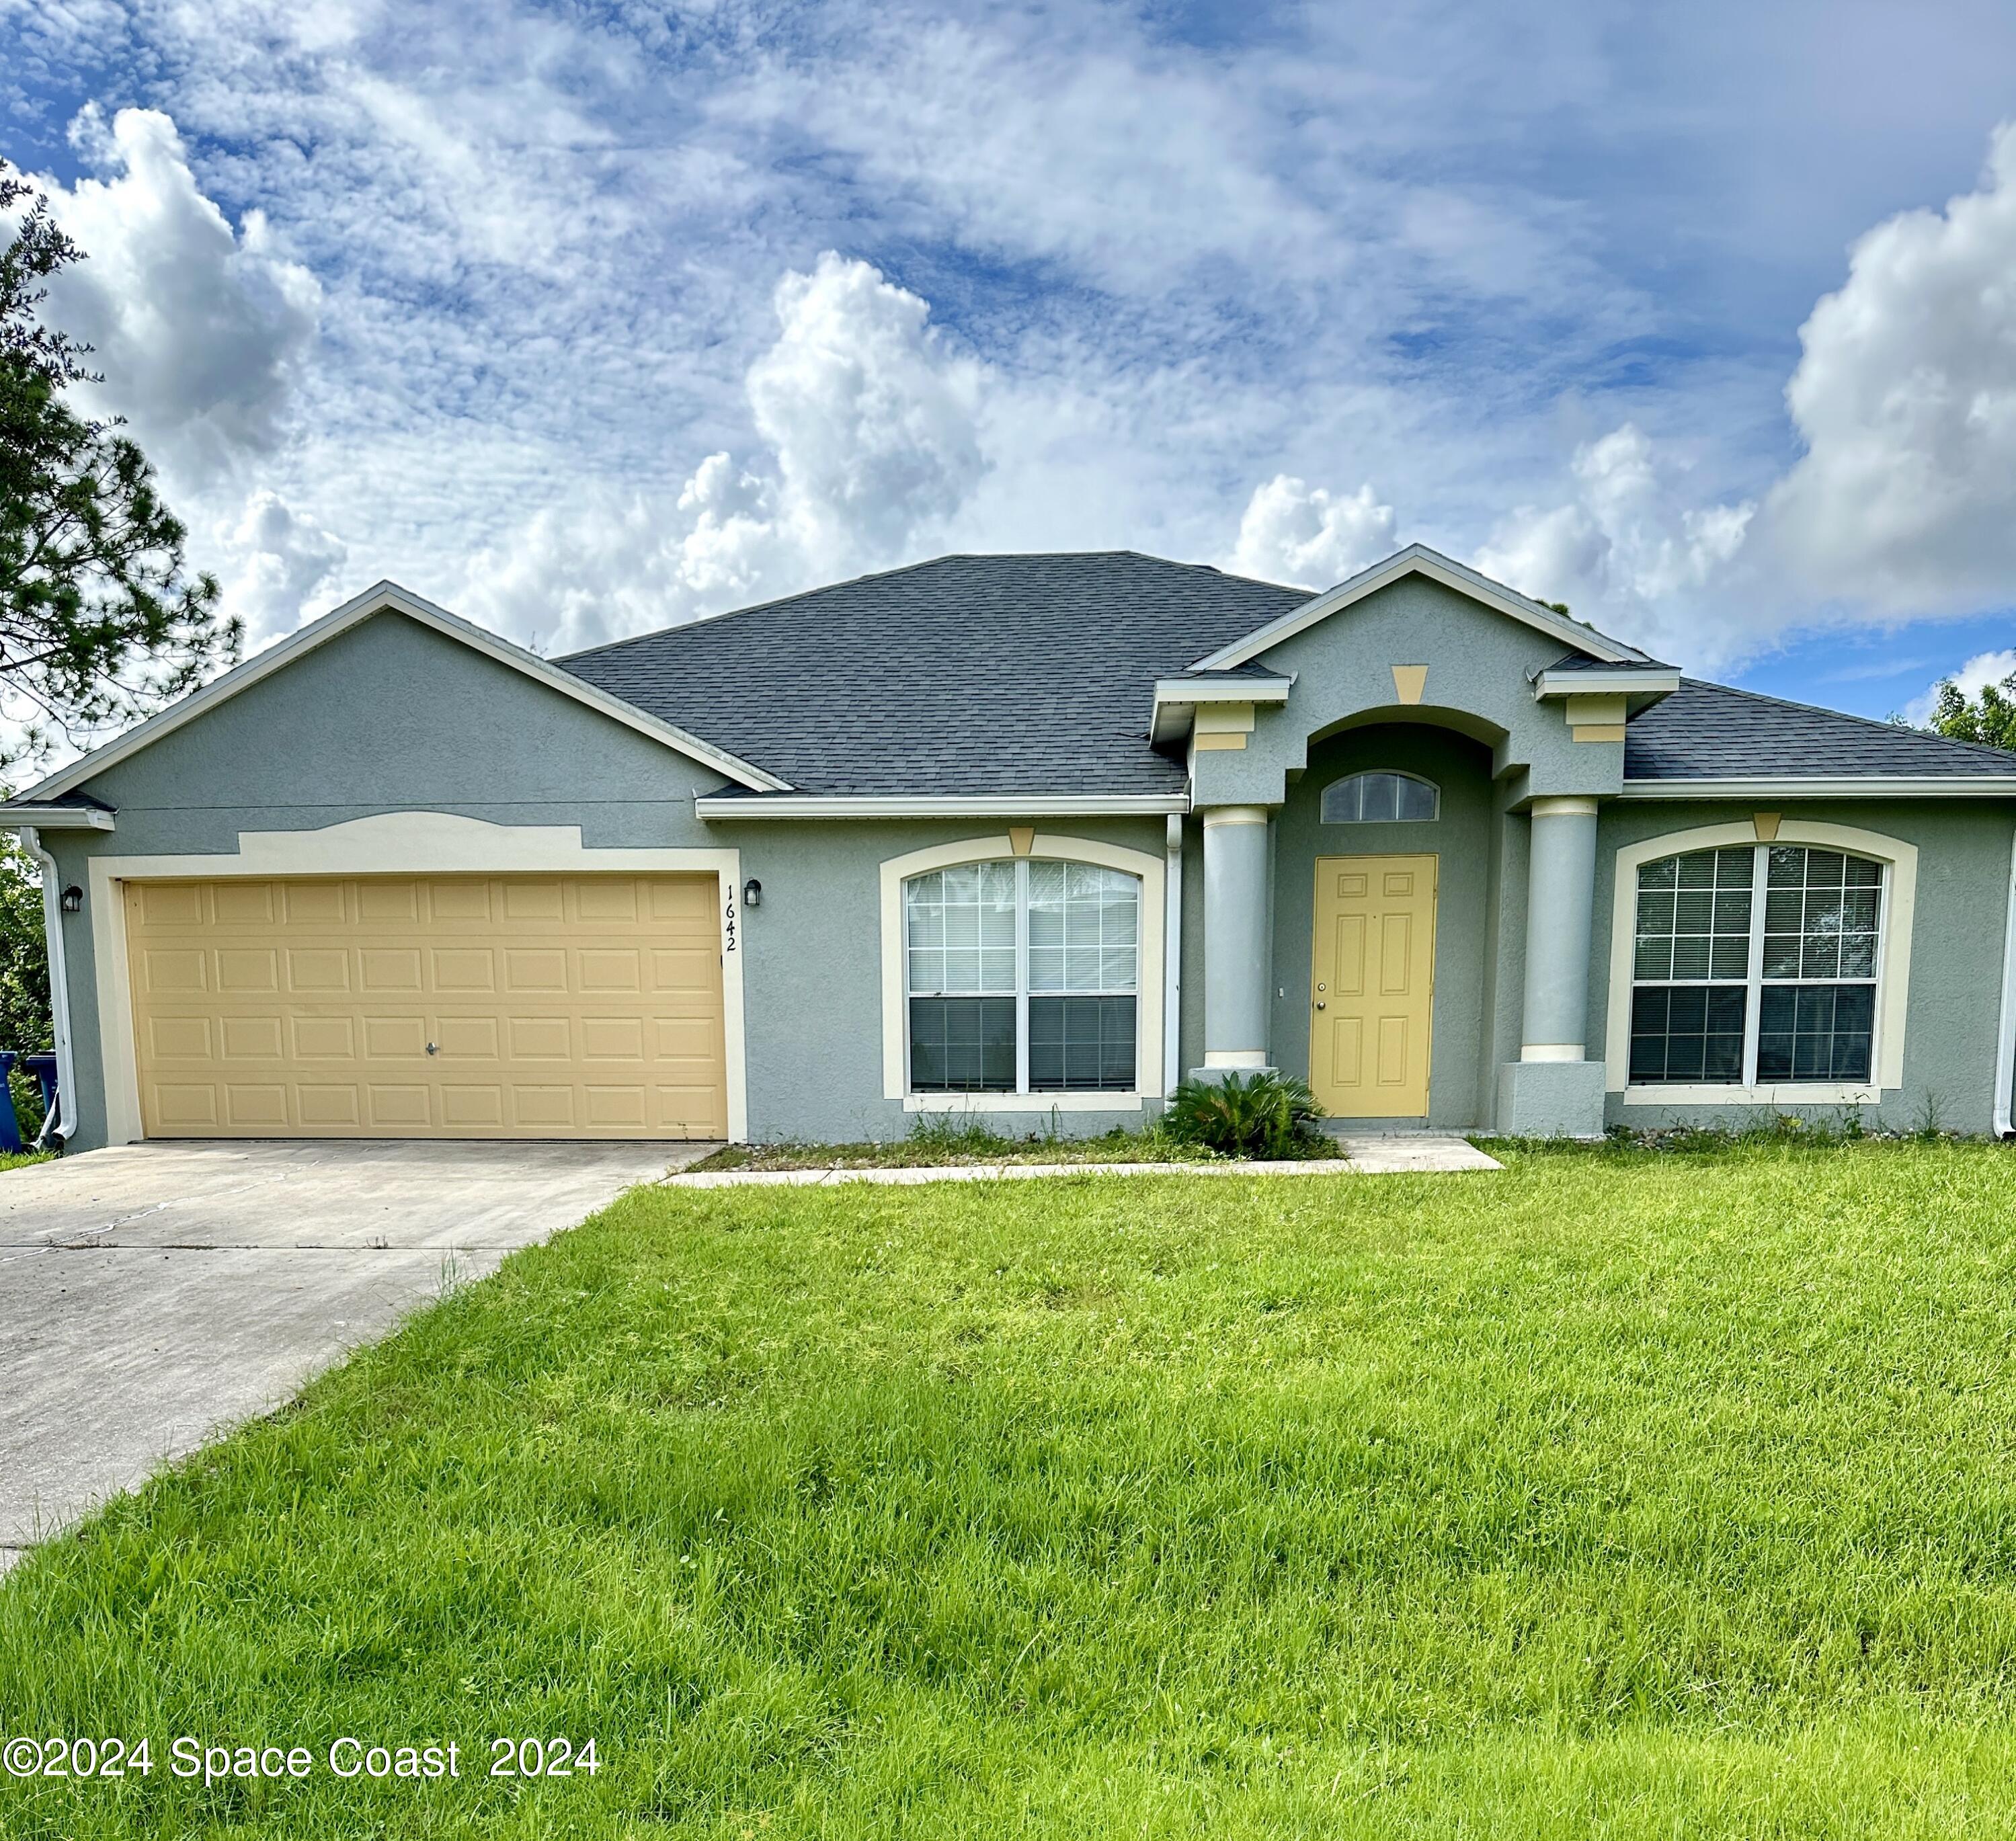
[{"x": 1030, "y": 836}]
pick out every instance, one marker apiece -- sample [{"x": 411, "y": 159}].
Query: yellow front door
[{"x": 1372, "y": 986}]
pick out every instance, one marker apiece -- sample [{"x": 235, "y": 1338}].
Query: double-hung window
[
  {"x": 1756, "y": 965},
  {"x": 1022, "y": 977}
]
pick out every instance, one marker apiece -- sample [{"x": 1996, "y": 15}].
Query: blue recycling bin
[
  {"x": 10, "y": 1127},
  {"x": 42, "y": 1069}
]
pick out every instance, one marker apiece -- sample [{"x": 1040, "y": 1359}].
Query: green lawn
[
  {"x": 1618, "y": 1494},
  {"x": 16, "y": 1159}
]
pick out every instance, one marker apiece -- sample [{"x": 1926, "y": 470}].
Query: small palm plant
[{"x": 1262, "y": 1115}]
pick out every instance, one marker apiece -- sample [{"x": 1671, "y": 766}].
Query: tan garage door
[{"x": 429, "y": 1007}]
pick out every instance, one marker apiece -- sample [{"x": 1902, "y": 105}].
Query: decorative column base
[
  {"x": 1213, "y": 1074},
  {"x": 1551, "y": 1099}
]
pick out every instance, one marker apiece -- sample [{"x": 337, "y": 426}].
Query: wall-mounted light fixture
[
  {"x": 72, "y": 900},
  {"x": 752, "y": 894}
]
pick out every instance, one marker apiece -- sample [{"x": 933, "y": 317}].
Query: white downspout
[
  {"x": 62, "y": 1123},
  {"x": 1173, "y": 957},
  {"x": 2005, "y": 1036}
]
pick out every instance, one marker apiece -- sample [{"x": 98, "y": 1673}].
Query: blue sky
[{"x": 585, "y": 318}]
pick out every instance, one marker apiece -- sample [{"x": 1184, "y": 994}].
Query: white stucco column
[
  {"x": 1235, "y": 938},
  {"x": 1560, "y": 896}
]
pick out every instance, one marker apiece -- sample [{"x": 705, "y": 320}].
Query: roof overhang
[
  {"x": 1176, "y": 699},
  {"x": 1857, "y": 786},
  {"x": 1646, "y": 681},
  {"x": 389, "y": 597},
  {"x": 960, "y": 805},
  {"x": 1419, "y": 559},
  {"x": 18, "y": 814}
]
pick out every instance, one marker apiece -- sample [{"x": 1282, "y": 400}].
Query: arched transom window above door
[{"x": 1380, "y": 797}]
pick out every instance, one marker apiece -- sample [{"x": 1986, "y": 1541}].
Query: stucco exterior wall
[
  {"x": 813, "y": 975},
  {"x": 393, "y": 717},
  {"x": 1955, "y": 963},
  {"x": 389, "y": 717}
]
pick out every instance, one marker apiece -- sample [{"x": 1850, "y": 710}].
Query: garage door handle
[{"x": 434, "y": 1048}]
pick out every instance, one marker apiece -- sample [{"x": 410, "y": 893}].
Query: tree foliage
[
  {"x": 1989, "y": 716},
  {"x": 24, "y": 965},
  {"x": 100, "y": 622}
]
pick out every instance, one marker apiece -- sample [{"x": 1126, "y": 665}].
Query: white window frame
[
  {"x": 1899, "y": 862},
  {"x": 1392, "y": 773},
  {"x": 1149, "y": 870}
]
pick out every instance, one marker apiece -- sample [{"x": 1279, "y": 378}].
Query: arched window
[
  {"x": 1381, "y": 799},
  {"x": 1020, "y": 976},
  {"x": 1756, "y": 964}
]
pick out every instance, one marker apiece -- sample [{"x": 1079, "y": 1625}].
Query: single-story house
[{"x": 1032, "y": 837}]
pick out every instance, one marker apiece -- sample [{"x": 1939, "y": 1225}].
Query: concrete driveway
[{"x": 155, "y": 1294}]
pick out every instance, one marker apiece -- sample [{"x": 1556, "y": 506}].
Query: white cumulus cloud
[
  {"x": 1983, "y": 669},
  {"x": 1905, "y": 501},
  {"x": 1307, "y": 536},
  {"x": 276, "y": 557},
  {"x": 1627, "y": 552},
  {"x": 199, "y": 329},
  {"x": 869, "y": 422}
]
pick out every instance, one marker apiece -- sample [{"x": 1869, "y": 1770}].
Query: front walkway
[
  {"x": 152, "y": 1295},
  {"x": 1367, "y": 1154}
]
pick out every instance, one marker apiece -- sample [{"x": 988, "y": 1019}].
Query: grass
[
  {"x": 937, "y": 1142},
  {"x": 1617, "y": 1494},
  {"x": 17, "y": 1160}
]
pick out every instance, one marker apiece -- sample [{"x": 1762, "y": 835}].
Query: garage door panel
[
  {"x": 534, "y": 901},
  {"x": 324, "y": 1106},
  {"x": 245, "y": 969},
  {"x": 467, "y": 1038},
  {"x": 380, "y": 903},
  {"x": 251, "y": 1037},
  {"x": 460, "y": 902},
  {"x": 386, "y": 969},
  {"x": 239, "y": 903},
  {"x": 316, "y": 1038},
  {"x": 173, "y": 904},
  {"x": 249, "y": 1106},
  {"x": 463, "y": 968},
  {"x": 312, "y": 905},
  {"x": 394, "y": 1038},
  {"x": 540, "y": 1038},
  {"x": 401, "y": 1110},
  {"x": 556, "y": 1006},
  {"x": 318, "y": 969}
]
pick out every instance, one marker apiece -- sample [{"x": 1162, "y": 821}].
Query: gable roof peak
[
  {"x": 1419, "y": 559},
  {"x": 387, "y": 596}
]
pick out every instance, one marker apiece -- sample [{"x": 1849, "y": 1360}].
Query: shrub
[{"x": 1263, "y": 1115}]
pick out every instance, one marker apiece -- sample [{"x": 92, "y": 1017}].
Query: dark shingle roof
[
  {"x": 972, "y": 674},
  {"x": 1709, "y": 732}
]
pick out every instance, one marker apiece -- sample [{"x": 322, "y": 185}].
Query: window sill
[
  {"x": 1784, "y": 1093},
  {"x": 1022, "y": 1102}
]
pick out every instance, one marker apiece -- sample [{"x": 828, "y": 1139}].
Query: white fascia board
[
  {"x": 978, "y": 805},
  {"x": 1223, "y": 690},
  {"x": 21, "y": 812},
  {"x": 389, "y": 597},
  {"x": 1864, "y": 786},
  {"x": 1623, "y": 682},
  {"x": 1419, "y": 559},
  {"x": 1176, "y": 700}
]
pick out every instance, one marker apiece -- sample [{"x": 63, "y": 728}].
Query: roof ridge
[
  {"x": 909, "y": 568},
  {"x": 1888, "y": 727}
]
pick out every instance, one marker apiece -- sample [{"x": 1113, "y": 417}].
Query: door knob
[{"x": 1319, "y": 1003}]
